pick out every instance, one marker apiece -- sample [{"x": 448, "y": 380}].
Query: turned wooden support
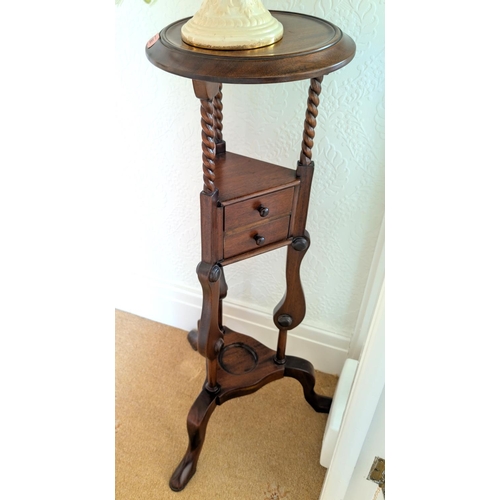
[
  {"x": 208, "y": 146},
  {"x": 206, "y": 92},
  {"x": 218, "y": 114},
  {"x": 220, "y": 144},
  {"x": 280, "y": 358},
  {"x": 310, "y": 121}
]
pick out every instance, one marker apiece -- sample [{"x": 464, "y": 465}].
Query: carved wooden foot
[
  {"x": 303, "y": 371},
  {"x": 197, "y": 421}
]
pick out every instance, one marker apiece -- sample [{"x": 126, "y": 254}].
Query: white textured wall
[{"x": 159, "y": 153}]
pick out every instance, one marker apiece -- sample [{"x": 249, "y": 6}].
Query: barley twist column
[
  {"x": 218, "y": 115},
  {"x": 310, "y": 121},
  {"x": 208, "y": 145}
]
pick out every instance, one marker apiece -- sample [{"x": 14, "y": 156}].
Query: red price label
[{"x": 153, "y": 41}]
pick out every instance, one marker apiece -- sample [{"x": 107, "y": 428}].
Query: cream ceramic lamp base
[{"x": 232, "y": 25}]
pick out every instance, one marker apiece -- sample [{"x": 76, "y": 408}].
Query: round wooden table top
[{"x": 310, "y": 47}]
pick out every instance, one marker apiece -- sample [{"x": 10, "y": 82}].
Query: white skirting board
[
  {"x": 181, "y": 307},
  {"x": 336, "y": 414}
]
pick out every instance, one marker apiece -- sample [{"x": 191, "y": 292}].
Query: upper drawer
[{"x": 258, "y": 209}]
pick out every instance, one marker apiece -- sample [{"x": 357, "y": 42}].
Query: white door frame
[
  {"x": 370, "y": 297},
  {"x": 368, "y": 383}
]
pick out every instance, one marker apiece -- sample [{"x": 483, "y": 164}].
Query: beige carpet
[{"x": 264, "y": 446}]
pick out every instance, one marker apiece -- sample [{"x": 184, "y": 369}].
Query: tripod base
[{"x": 244, "y": 366}]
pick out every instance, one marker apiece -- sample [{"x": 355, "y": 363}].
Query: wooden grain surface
[
  {"x": 239, "y": 215},
  {"x": 310, "y": 47},
  {"x": 240, "y": 177}
]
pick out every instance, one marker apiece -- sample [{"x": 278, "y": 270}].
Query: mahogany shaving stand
[{"x": 249, "y": 207}]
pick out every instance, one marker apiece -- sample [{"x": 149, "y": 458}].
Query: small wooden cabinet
[
  {"x": 256, "y": 214},
  {"x": 249, "y": 207}
]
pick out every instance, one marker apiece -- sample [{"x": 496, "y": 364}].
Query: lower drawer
[{"x": 255, "y": 237}]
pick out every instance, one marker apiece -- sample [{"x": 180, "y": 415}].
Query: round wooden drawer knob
[
  {"x": 263, "y": 211},
  {"x": 259, "y": 239}
]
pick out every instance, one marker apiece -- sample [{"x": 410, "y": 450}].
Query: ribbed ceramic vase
[{"x": 232, "y": 25}]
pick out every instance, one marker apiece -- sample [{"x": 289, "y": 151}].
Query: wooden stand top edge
[
  {"x": 240, "y": 177},
  {"x": 310, "y": 47}
]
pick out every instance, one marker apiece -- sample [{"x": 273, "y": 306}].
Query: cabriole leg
[
  {"x": 303, "y": 371},
  {"x": 197, "y": 422}
]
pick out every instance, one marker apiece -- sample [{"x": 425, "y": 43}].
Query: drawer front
[
  {"x": 256, "y": 237},
  {"x": 258, "y": 209}
]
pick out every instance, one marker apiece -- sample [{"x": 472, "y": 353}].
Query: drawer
[
  {"x": 248, "y": 239},
  {"x": 258, "y": 209}
]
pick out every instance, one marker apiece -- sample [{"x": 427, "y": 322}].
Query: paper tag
[{"x": 152, "y": 41}]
